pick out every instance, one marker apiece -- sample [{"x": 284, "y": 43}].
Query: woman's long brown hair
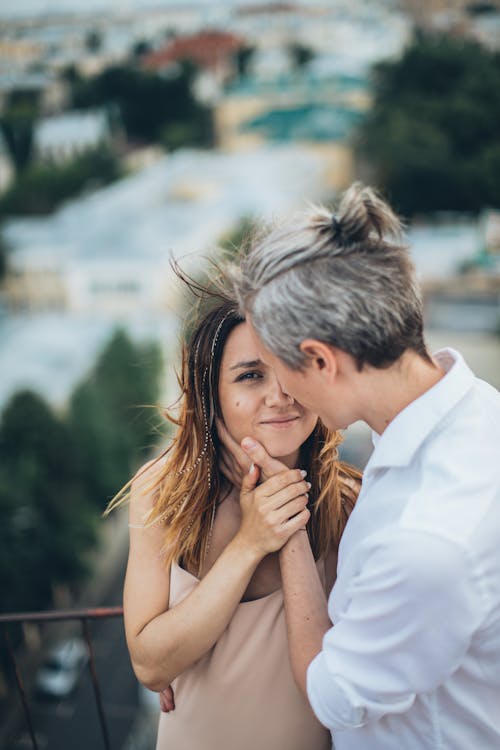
[{"x": 186, "y": 480}]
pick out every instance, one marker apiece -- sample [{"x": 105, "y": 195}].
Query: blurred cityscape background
[{"x": 133, "y": 133}]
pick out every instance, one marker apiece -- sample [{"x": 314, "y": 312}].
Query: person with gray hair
[{"x": 412, "y": 659}]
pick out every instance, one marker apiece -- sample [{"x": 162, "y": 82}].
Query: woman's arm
[
  {"x": 305, "y": 602},
  {"x": 305, "y": 605},
  {"x": 163, "y": 642}
]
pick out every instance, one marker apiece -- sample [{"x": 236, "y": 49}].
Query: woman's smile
[{"x": 281, "y": 423}]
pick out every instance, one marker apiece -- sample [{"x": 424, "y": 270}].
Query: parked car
[{"x": 62, "y": 667}]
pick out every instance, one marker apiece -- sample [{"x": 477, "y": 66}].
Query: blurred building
[
  {"x": 49, "y": 91},
  {"x": 109, "y": 253},
  {"x": 302, "y": 124},
  {"x": 19, "y": 53},
  {"x": 63, "y": 137},
  {"x": 317, "y": 110},
  {"x": 213, "y": 52},
  {"x": 425, "y": 14},
  {"x": 460, "y": 275},
  {"x": 317, "y": 102},
  {"x": 35, "y": 281}
]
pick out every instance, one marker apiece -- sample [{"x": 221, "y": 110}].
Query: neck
[{"x": 387, "y": 392}]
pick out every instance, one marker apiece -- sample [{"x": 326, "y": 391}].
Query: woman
[{"x": 203, "y": 604}]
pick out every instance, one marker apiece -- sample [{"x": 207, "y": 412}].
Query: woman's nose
[{"x": 276, "y": 396}]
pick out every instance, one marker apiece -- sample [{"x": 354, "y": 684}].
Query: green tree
[
  {"x": 432, "y": 139},
  {"x": 41, "y": 188},
  {"x": 129, "y": 375},
  {"x": 148, "y": 103},
  {"x": 232, "y": 242},
  {"x": 243, "y": 57},
  {"x": 141, "y": 47},
  {"x": 300, "y": 55},
  {"x": 104, "y": 449},
  {"x": 17, "y": 123},
  {"x": 93, "y": 40},
  {"x": 3, "y": 255},
  {"x": 46, "y": 524},
  {"x": 71, "y": 75},
  {"x": 111, "y": 415}
]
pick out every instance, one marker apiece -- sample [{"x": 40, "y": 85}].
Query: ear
[{"x": 321, "y": 357}]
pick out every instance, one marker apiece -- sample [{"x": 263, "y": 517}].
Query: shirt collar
[{"x": 401, "y": 439}]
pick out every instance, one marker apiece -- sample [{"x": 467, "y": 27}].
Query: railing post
[
  {"x": 95, "y": 682},
  {"x": 60, "y": 616},
  {"x": 20, "y": 686}
]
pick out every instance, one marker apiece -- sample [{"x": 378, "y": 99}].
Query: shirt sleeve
[{"x": 411, "y": 613}]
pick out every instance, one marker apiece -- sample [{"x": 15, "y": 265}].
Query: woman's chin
[{"x": 281, "y": 449}]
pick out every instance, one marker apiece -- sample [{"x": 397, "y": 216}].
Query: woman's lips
[{"x": 280, "y": 424}]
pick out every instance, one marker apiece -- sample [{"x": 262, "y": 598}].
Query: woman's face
[{"x": 253, "y": 404}]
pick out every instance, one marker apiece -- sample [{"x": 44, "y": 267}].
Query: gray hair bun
[{"x": 363, "y": 215}]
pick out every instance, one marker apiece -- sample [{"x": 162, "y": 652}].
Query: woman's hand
[
  {"x": 167, "y": 701},
  {"x": 273, "y": 511},
  {"x": 234, "y": 462}
]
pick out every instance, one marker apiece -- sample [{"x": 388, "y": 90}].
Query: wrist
[
  {"x": 246, "y": 551},
  {"x": 297, "y": 542}
]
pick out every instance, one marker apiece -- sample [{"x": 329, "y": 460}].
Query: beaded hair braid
[{"x": 207, "y": 429}]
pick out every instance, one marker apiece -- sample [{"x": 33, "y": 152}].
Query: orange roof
[{"x": 207, "y": 49}]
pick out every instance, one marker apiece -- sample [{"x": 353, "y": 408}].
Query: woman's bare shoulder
[{"x": 144, "y": 486}]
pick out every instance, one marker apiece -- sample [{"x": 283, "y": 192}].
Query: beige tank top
[{"x": 241, "y": 695}]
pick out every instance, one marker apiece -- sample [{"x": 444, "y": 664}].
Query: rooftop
[{"x": 208, "y": 49}]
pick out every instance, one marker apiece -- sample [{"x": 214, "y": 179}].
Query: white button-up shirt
[{"x": 413, "y": 659}]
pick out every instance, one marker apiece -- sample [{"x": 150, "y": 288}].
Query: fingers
[
  {"x": 167, "y": 702},
  {"x": 286, "y": 512},
  {"x": 261, "y": 457},
  {"x": 250, "y": 479},
  {"x": 295, "y": 523},
  {"x": 284, "y": 496},
  {"x": 268, "y": 509},
  {"x": 278, "y": 482}
]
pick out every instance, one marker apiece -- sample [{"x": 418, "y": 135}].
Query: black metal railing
[{"x": 83, "y": 615}]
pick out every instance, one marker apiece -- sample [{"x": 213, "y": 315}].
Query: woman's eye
[{"x": 249, "y": 376}]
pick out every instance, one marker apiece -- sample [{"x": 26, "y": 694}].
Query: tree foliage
[
  {"x": 17, "y": 124},
  {"x": 3, "y": 255},
  {"x": 432, "y": 139},
  {"x": 300, "y": 55},
  {"x": 147, "y": 103},
  {"x": 42, "y": 188},
  {"x": 46, "y": 523},
  {"x": 57, "y": 473},
  {"x": 111, "y": 415},
  {"x": 243, "y": 58},
  {"x": 141, "y": 47},
  {"x": 93, "y": 40},
  {"x": 238, "y": 238}
]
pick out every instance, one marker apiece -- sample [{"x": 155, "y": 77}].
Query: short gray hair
[{"x": 335, "y": 278}]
